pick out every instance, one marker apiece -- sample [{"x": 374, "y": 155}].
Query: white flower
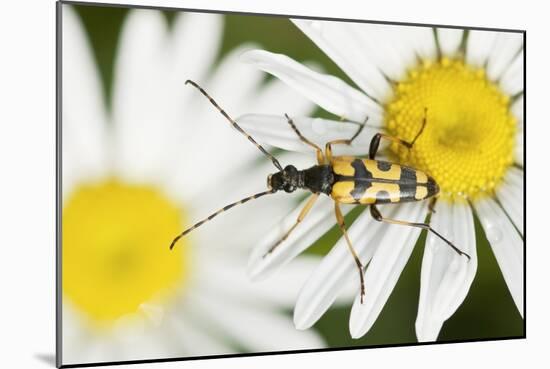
[
  {"x": 471, "y": 82},
  {"x": 134, "y": 177}
]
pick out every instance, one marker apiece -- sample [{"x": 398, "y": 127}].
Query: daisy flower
[
  {"x": 135, "y": 176},
  {"x": 471, "y": 83}
]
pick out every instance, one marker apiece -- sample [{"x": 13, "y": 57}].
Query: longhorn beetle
[{"x": 347, "y": 179}]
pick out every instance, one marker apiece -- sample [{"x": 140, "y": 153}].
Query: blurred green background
[{"x": 487, "y": 312}]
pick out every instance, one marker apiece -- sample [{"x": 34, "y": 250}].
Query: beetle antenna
[
  {"x": 213, "y": 215},
  {"x": 237, "y": 127}
]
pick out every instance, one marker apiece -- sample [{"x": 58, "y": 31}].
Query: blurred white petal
[
  {"x": 510, "y": 195},
  {"x": 384, "y": 270},
  {"x": 152, "y": 117},
  {"x": 279, "y": 291},
  {"x": 234, "y": 83},
  {"x": 234, "y": 86},
  {"x": 449, "y": 40},
  {"x": 263, "y": 330},
  {"x": 185, "y": 59},
  {"x": 329, "y": 92},
  {"x": 507, "y": 246},
  {"x": 91, "y": 351},
  {"x": 446, "y": 276},
  {"x": 74, "y": 338},
  {"x": 191, "y": 59},
  {"x": 136, "y": 345},
  {"x": 189, "y": 338},
  {"x": 139, "y": 80},
  {"x": 84, "y": 120}
]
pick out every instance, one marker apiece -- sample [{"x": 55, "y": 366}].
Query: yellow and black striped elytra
[
  {"x": 347, "y": 180},
  {"x": 366, "y": 181}
]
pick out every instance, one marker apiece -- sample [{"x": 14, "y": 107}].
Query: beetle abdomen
[{"x": 365, "y": 181}]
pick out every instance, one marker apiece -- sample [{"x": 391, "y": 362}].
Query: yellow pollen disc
[
  {"x": 115, "y": 250},
  {"x": 468, "y": 141}
]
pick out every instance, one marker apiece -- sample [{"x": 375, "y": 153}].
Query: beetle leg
[
  {"x": 301, "y": 216},
  {"x": 328, "y": 147},
  {"x": 342, "y": 225},
  {"x": 377, "y": 216},
  {"x": 319, "y": 152},
  {"x": 431, "y": 205},
  {"x": 375, "y": 142}
]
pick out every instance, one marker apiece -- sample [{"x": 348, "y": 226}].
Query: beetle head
[{"x": 284, "y": 180}]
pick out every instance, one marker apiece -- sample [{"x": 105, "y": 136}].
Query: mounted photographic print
[{"x": 236, "y": 184}]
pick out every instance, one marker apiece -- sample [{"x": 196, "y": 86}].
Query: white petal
[
  {"x": 210, "y": 141},
  {"x": 519, "y": 151},
  {"x": 276, "y": 131},
  {"x": 446, "y": 276},
  {"x": 370, "y": 52},
  {"x": 83, "y": 115},
  {"x": 74, "y": 335},
  {"x": 187, "y": 57},
  {"x": 91, "y": 350},
  {"x": 347, "y": 44},
  {"x": 505, "y": 48},
  {"x": 329, "y": 92},
  {"x": 277, "y": 98},
  {"x": 510, "y": 195},
  {"x": 384, "y": 270},
  {"x": 235, "y": 84},
  {"x": 517, "y": 110},
  {"x": 140, "y": 76},
  {"x": 133, "y": 344},
  {"x": 478, "y": 47},
  {"x": 338, "y": 270},
  {"x": 192, "y": 58},
  {"x": 150, "y": 99},
  {"x": 189, "y": 337},
  {"x": 422, "y": 40},
  {"x": 281, "y": 290},
  {"x": 254, "y": 219},
  {"x": 397, "y": 46},
  {"x": 507, "y": 246},
  {"x": 257, "y": 330},
  {"x": 319, "y": 220},
  {"x": 449, "y": 40},
  {"x": 512, "y": 80}
]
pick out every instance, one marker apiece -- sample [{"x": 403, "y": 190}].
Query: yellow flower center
[
  {"x": 116, "y": 253},
  {"x": 468, "y": 142}
]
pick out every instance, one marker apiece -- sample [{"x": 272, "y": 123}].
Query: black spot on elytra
[
  {"x": 384, "y": 166},
  {"x": 407, "y": 183},
  {"x": 383, "y": 196},
  {"x": 362, "y": 179}
]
